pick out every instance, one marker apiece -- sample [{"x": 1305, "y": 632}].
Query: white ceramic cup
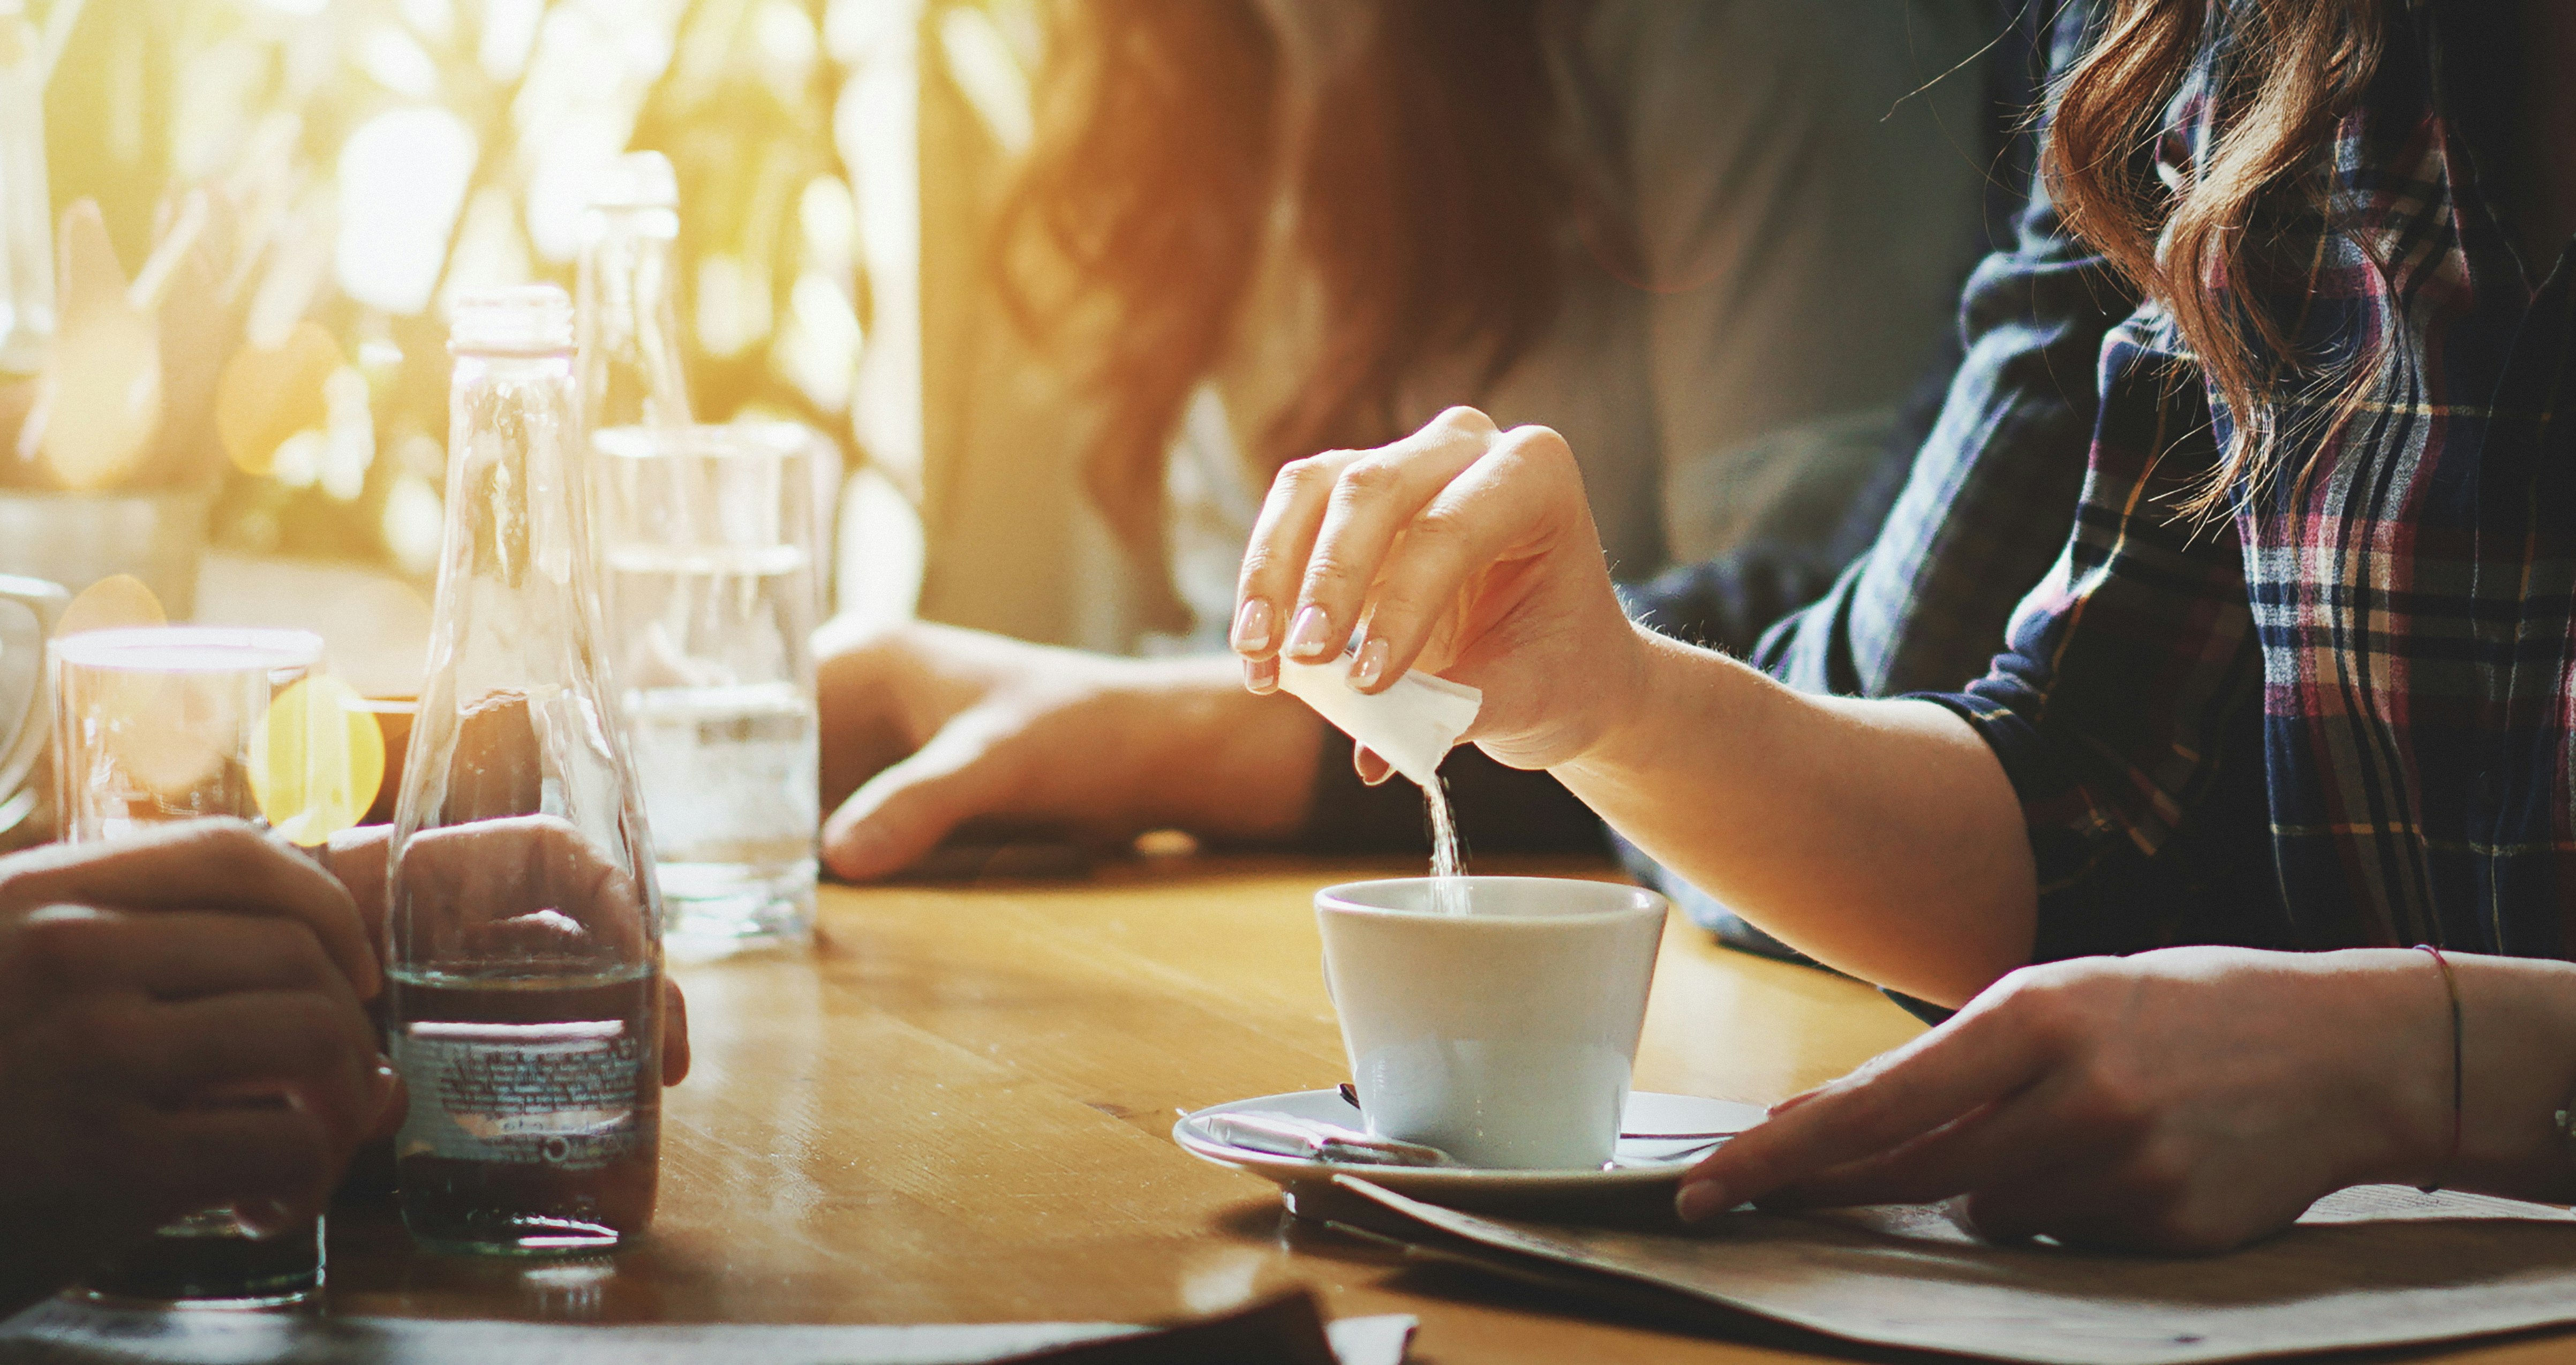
[{"x": 1503, "y": 1036}]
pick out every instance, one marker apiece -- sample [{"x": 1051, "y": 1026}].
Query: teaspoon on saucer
[{"x": 1351, "y": 1096}]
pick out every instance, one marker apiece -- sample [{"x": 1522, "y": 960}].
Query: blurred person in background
[{"x": 1720, "y": 241}]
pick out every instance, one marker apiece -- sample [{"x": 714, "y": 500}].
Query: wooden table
[{"x": 958, "y": 1108}]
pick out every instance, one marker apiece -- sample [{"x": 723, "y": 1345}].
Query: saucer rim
[{"x": 1286, "y": 1170}]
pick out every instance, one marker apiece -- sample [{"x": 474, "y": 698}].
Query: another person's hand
[
  {"x": 501, "y": 868},
  {"x": 927, "y": 728},
  {"x": 2190, "y": 1100},
  {"x": 1462, "y": 549},
  {"x": 181, "y": 1028}
]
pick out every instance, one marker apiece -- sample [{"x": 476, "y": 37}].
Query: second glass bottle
[{"x": 524, "y": 921}]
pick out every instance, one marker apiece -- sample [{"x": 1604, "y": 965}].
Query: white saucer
[{"x": 1639, "y": 1165}]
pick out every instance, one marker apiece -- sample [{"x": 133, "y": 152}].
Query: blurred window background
[{"x": 349, "y": 165}]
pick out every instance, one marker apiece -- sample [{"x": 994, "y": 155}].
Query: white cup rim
[
  {"x": 1632, "y": 901},
  {"x": 188, "y": 648}
]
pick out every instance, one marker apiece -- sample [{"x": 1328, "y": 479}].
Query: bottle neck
[
  {"x": 517, "y": 513},
  {"x": 630, "y": 344}
]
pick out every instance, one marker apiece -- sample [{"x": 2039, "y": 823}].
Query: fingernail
[
  {"x": 1311, "y": 636},
  {"x": 1701, "y": 1199},
  {"x": 1372, "y": 664},
  {"x": 1252, "y": 626},
  {"x": 1261, "y": 675},
  {"x": 384, "y": 1084}
]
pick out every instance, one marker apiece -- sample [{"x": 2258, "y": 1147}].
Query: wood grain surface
[{"x": 958, "y": 1107}]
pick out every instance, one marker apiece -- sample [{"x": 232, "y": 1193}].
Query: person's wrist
[
  {"x": 2519, "y": 1034},
  {"x": 2406, "y": 1068},
  {"x": 1629, "y": 700}
]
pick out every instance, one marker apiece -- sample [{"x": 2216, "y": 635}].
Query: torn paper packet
[{"x": 1412, "y": 725}]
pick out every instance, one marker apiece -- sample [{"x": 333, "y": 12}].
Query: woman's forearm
[{"x": 1880, "y": 837}]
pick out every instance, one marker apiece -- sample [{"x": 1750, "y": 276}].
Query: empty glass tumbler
[{"x": 707, "y": 535}]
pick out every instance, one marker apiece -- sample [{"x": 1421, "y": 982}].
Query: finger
[
  {"x": 315, "y": 1049},
  {"x": 1994, "y": 1144},
  {"x": 480, "y": 886},
  {"x": 202, "y": 865},
  {"x": 1939, "y": 1078},
  {"x": 1373, "y": 500},
  {"x": 1496, "y": 509},
  {"x": 1275, "y": 559},
  {"x": 356, "y": 858},
  {"x": 276, "y": 1165},
  {"x": 902, "y": 813},
  {"x": 675, "y": 1033},
  {"x": 175, "y": 955}
]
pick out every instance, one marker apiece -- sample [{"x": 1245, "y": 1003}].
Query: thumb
[{"x": 903, "y": 812}]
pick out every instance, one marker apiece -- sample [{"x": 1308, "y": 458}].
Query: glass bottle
[
  {"x": 26, "y": 198},
  {"x": 630, "y": 329},
  {"x": 524, "y": 944}
]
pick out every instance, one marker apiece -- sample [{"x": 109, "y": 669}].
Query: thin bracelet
[{"x": 2450, "y": 987}]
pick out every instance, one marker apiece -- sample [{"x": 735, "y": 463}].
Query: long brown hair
[
  {"x": 1426, "y": 195},
  {"x": 2306, "y": 63}
]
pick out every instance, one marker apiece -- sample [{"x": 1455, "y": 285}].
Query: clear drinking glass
[
  {"x": 157, "y": 725},
  {"x": 524, "y": 948},
  {"x": 708, "y": 534}
]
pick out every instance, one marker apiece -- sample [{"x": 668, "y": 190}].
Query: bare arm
[{"x": 1880, "y": 836}]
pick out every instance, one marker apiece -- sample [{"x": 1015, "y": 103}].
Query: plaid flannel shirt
[{"x": 2347, "y": 713}]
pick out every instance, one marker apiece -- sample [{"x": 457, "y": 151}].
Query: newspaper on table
[
  {"x": 2373, "y": 1266},
  {"x": 1283, "y": 1330}
]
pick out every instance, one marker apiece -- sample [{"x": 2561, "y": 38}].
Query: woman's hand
[
  {"x": 1461, "y": 549},
  {"x": 148, "y": 988},
  {"x": 928, "y": 727},
  {"x": 2186, "y": 1100}
]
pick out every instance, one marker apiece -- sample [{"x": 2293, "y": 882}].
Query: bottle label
[{"x": 560, "y": 1094}]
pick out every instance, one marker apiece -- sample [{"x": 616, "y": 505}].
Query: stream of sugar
[{"x": 1448, "y": 863}]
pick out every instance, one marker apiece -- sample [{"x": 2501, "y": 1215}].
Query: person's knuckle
[
  {"x": 1442, "y": 530},
  {"x": 314, "y": 1033},
  {"x": 2113, "y": 1105},
  {"x": 2158, "y": 1176},
  {"x": 59, "y": 949},
  {"x": 1461, "y": 417},
  {"x": 2043, "y": 1003},
  {"x": 113, "y": 1034},
  {"x": 1364, "y": 482},
  {"x": 1538, "y": 448},
  {"x": 231, "y": 848},
  {"x": 1300, "y": 477},
  {"x": 1333, "y": 572}
]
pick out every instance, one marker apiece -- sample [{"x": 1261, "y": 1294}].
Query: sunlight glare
[
  {"x": 403, "y": 176},
  {"x": 316, "y": 760}
]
